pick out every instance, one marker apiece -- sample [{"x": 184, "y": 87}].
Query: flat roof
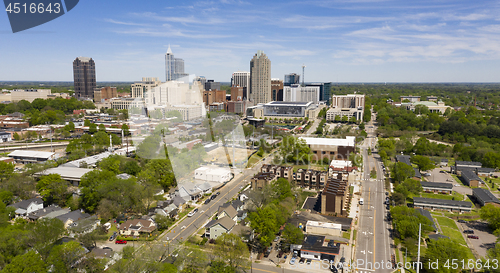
[
  {"x": 485, "y": 195},
  {"x": 323, "y": 225},
  {"x": 436, "y": 185},
  {"x": 432, "y": 201},
  {"x": 288, "y": 103},
  {"x": 66, "y": 173},
  {"x": 348, "y": 141},
  {"x": 33, "y": 154}
]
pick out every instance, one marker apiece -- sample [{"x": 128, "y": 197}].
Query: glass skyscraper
[{"x": 174, "y": 67}]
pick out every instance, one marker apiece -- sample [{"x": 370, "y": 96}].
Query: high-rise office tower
[
  {"x": 277, "y": 89},
  {"x": 260, "y": 78},
  {"x": 241, "y": 79},
  {"x": 174, "y": 67},
  {"x": 291, "y": 78},
  {"x": 84, "y": 77}
]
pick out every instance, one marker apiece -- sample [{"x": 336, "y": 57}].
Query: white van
[{"x": 361, "y": 201}]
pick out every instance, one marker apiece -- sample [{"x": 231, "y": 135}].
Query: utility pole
[{"x": 418, "y": 254}]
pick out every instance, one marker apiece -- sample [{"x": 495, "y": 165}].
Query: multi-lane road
[
  {"x": 373, "y": 246},
  {"x": 190, "y": 225}
]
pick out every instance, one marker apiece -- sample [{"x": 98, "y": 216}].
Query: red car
[
  {"x": 473, "y": 236},
  {"x": 121, "y": 242}
]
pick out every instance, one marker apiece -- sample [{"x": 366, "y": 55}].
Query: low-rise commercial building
[
  {"x": 331, "y": 148},
  {"x": 470, "y": 178},
  {"x": 322, "y": 228},
  {"x": 26, "y": 157},
  {"x": 316, "y": 248},
  {"x": 441, "y": 204},
  {"x": 213, "y": 174},
  {"x": 445, "y": 188},
  {"x": 484, "y": 197}
]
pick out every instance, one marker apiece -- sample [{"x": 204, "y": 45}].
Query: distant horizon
[
  {"x": 363, "y": 41},
  {"x": 229, "y": 83}
]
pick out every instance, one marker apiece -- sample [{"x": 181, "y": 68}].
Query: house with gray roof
[
  {"x": 49, "y": 212},
  {"x": 28, "y": 206},
  {"x": 71, "y": 217},
  {"x": 484, "y": 197},
  {"x": 216, "y": 228},
  {"x": 427, "y": 215},
  {"x": 227, "y": 210}
]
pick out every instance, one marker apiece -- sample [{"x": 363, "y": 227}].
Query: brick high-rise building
[
  {"x": 260, "y": 78},
  {"x": 236, "y": 93},
  {"x": 277, "y": 89},
  {"x": 213, "y": 96},
  {"x": 105, "y": 93},
  {"x": 84, "y": 77}
]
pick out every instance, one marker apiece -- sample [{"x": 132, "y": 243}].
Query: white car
[
  {"x": 192, "y": 212},
  {"x": 457, "y": 185}
]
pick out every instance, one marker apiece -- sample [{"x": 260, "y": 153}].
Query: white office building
[{"x": 297, "y": 93}]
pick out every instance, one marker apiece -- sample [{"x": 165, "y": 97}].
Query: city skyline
[{"x": 338, "y": 41}]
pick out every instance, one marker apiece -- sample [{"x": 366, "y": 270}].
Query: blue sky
[{"x": 344, "y": 41}]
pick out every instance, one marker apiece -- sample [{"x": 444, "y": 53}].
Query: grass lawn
[
  {"x": 346, "y": 235},
  {"x": 303, "y": 196},
  {"x": 450, "y": 229},
  {"x": 254, "y": 159},
  {"x": 458, "y": 180},
  {"x": 454, "y": 196},
  {"x": 444, "y": 221},
  {"x": 112, "y": 229},
  {"x": 354, "y": 235}
]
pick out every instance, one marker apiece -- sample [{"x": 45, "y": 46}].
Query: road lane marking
[
  {"x": 200, "y": 214},
  {"x": 374, "y": 234}
]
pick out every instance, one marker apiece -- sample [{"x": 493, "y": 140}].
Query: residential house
[
  {"x": 261, "y": 180},
  {"x": 216, "y": 228},
  {"x": 49, "y": 212},
  {"x": 71, "y": 217},
  {"x": 137, "y": 227},
  {"x": 28, "y": 206},
  {"x": 227, "y": 210}
]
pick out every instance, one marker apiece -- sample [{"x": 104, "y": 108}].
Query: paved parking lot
[
  {"x": 486, "y": 238},
  {"x": 438, "y": 176}
]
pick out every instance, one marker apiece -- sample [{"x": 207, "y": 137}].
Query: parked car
[
  {"x": 121, "y": 242},
  {"x": 280, "y": 254},
  {"x": 193, "y": 212},
  {"x": 268, "y": 251},
  {"x": 427, "y": 174},
  {"x": 473, "y": 236},
  {"x": 276, "y": 239},
  {"x": 469, "y": 231},
  {"x": 302, "y": 260},
  {"x": 292, "y": 260},
  {"x": 217, "y": 194},
  {"x": 308, "y": 261},
  {"x": 213, "y": 197},
  {"x": 113, "y": 236},
  {"x": 207, "y": 201},
  {"x": 462, "y": 221}
]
